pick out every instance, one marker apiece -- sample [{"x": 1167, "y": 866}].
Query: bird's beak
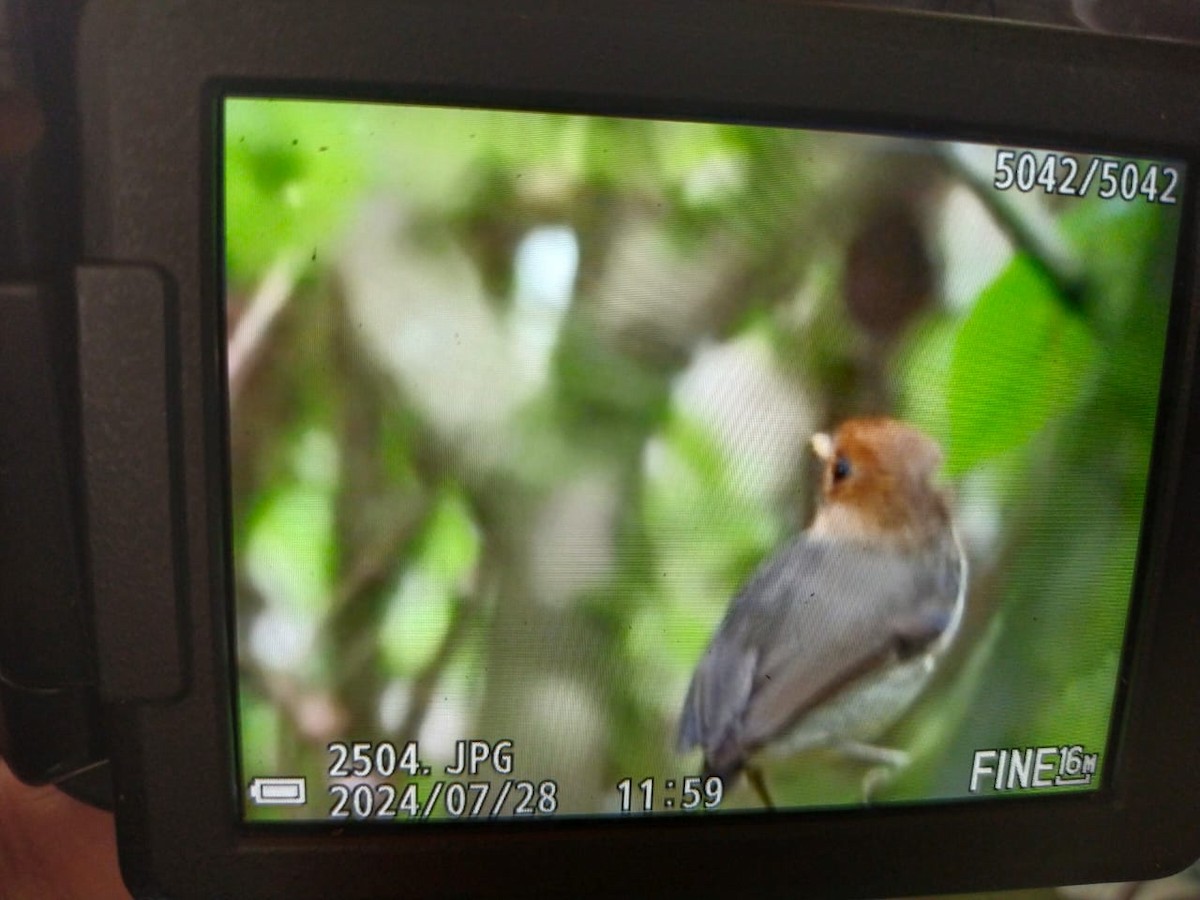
[{"x": 822, "y": 445}]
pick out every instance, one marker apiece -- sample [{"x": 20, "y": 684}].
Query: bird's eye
[{"x": 841, "y": 468}]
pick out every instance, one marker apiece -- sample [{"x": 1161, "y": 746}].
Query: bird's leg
[
  {"x": 873, "y": 755},
  {"x": 754, "y": 775},
  {"x": 885, "y": 762}
]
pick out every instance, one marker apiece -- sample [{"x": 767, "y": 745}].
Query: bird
[{"x": 836, "y": 635}]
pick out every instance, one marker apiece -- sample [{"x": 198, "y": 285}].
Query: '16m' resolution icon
[{"x": 1031, "y": 768}]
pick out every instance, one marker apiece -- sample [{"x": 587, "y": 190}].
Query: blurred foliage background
[{"x": 519, "y": 402}]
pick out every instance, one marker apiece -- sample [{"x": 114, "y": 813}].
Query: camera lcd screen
[{"x": 589, "y": 466}]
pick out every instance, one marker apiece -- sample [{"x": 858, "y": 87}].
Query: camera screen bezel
[{"x": 152, "y": 78}]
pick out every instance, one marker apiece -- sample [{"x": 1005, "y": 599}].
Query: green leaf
[
  {"x": 1020, "y": 359},
  {"x": 417, "y": 619},
  {"x": 291, "y": 548},
  {"x": 922, "y": 367},
  {"x": 451, "y": 544},
  {"x": 261, "y": 732},
  {"x": 292, "y": 172},
  {"x": 421, "y": 610},
  {"x": 708, "y": 533}
]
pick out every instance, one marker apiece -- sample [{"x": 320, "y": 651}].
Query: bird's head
[{"x": 877, "y": 484}]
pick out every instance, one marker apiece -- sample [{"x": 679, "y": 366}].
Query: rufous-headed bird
[{"x": 836, "y": 635}]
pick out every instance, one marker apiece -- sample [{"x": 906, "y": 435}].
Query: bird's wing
[{"x": 812, "y": 620}]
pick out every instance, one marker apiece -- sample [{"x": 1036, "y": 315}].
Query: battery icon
[{"x": 279, "y": 791}]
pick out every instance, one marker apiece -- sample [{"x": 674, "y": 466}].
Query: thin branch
[
  {"x": 1045, "y": 248},
  {"x": 376, "y": 565},
  {"x": 427, "y": 682},
  {"x": 246, "y": 342}
]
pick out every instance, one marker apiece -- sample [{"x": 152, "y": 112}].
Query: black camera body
[{"x": 126, "y": 603}]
